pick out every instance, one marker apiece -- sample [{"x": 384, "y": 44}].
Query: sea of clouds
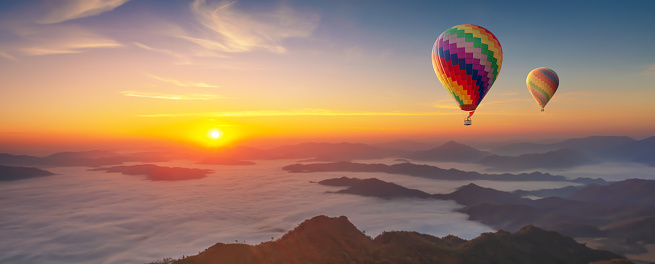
[{"x": 81, "y": 216}]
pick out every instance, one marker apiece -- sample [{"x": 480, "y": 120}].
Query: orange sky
[{"x": 93, "y": 74}]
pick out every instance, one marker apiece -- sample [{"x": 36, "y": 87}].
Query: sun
[{"x": 215, "y": 134}]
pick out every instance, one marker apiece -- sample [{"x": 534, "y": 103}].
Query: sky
[{"x": 94, "y": 72}]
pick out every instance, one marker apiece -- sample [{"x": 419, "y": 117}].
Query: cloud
[
  {"x": 232, "y": 30},
  {"x": 171, "y": 96},
  {"x": 649, "y": 71},
  {"x": 7, "y": 56},
  {"x": 301, "y": 112},
  {"x": 46, "y": 40},
  {"x": 73, "y": 9},
  {"x": 183, "y": 84}
]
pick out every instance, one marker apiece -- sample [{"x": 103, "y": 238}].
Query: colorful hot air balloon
[
  {"x": 542, "y": 83},
  {"x": 467, "y": 59}
]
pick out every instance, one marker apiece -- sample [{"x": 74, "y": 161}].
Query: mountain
[
  {"x": 558, "y": 159},
  {"x": 158, "y": 173},
  {"x": 427, "y": 171},
  {"x": 642, "y": 151},
  {"x": 624, "y": 223},
  {"x": 324, "y": 239},
  {"x": 588, "y": 145},
  {"x": 473, "y": 194},
  {"x": 404, "y": 145},
  {"x": 94, "y": 158},
  {"x": 450, "y": 151},
  {"x": 374, "y": 187},
  {"x": 559, "y": 192},
  {"x": 631, "y": 191},
  {"x": 9, "y": 173},
  {"x": 331, "y": 151}
]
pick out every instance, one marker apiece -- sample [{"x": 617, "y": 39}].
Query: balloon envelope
[
  {"x": 467, "y": 59},
  {"x": 542, "y": 83}
]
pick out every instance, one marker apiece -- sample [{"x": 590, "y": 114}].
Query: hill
[
  {"x": 589, "y": 145},
  {"x": 374, "y": 187},
  {"x": 558, "y": 159},
  {"x": 158, "y": 173},
  {"x": 324, "y": 239},
  {"x": 450, "y": 151},
  {"x": 427, "y": 171},
  {"x": 10, "y": 173}
]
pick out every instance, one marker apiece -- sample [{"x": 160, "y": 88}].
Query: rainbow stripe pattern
[
  {"x": 467, "y": 59},
  {"x": 542, "y": 83}
]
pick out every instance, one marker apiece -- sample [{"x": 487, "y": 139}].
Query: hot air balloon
[
  {"x": 467, "y": 59},
  {"x": 542, "y": 83}
]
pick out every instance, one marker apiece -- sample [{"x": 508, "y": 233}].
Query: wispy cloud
[
  {"x": 183, "y": 59},
  {"x": 232, "y": 30},
  {"x": 301, "y": 112},
  {"x": 7, "y": 56},
  {"x": 59, "y": 40},
  {"x": 181, "y": 83},
  {"x": 171, "y": 96},
  {"x": 73, "y": 9},
  {"x": 649, "y": 71}
]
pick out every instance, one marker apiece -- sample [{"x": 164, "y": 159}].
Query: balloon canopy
[
  {"x": 467, "y": 59},
  {"x": 542, "y": 83}
]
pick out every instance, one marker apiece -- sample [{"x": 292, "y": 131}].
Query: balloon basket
[
  {"x": 542, "y": 109},
  {"x": 467, "y": 121}
]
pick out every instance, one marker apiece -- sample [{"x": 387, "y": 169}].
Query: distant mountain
[
  {"x": 472, "y": 194},
  {"x": 588, "y": 145},
  {"x": 158, "y": 173},
  {"x": 559, "y": 192},
  {"x": 332, "y": 151},
  {"x": 642, "y": 151},
  {"x": 9, "y": 173},
  {"x": 631, "y": 191},
  {"x": 450, "y": 151},
  {"x": 335, "y": 240},
  {"x": 558, "y": 159},
  {"x": 404, "y": 145},
  {"x": 426, "y": 171},
  {"x": 374, "y": 187},
  {"x": 94, "y": 158},
  {"x": 625, "y": 222}
]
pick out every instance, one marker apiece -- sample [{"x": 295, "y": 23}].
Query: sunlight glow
[{"x": 215, "y": 134}]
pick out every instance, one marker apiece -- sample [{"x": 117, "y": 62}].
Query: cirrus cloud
[
  {"x": 232, "y": 30},
  {"x": 74, "y": 9}
]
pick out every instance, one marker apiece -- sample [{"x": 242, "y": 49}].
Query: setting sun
[{"x": 215, "y": 134}]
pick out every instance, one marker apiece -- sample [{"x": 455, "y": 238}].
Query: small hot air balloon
[
  {"x": 467, "y": 59},
  {"x": 542, "y": 83}
]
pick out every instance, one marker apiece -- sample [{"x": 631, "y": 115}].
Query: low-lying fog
[{"x": 81, "y": 216}]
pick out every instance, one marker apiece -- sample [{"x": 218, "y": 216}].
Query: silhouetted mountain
[
  {"x": 404, "y": 145},
  {"x": 374, "y": 187},
  {"x": 343, "y": 181},
  {"x": 426, "y": 171},
  {"x": 473, "y": 194},
  {"x": 158, "y": 173},
  {"x": 642, "y": 151},
  {"x": 9, "y": 173},
  {"x": 632, "y": 191},
  {"x": 332, "y": 151},
  {"x": 560, "y": 192},
  {"x": 638, "y": 229},
  {"x": 224, "y": 161},
  {"x": 558, "y": 159},
  {"x": 450, "y": 151},
  {"x": 92, "y": 158},
  {"x": 335, "y": 240},
  {"x": 589, "y": 145}
]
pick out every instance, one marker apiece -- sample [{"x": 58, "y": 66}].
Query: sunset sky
[{"x": 81, "y": 72}]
